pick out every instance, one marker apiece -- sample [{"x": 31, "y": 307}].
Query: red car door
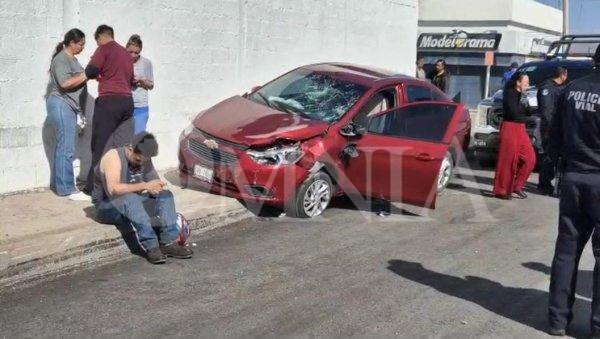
[{"x": 400, "y": 155}]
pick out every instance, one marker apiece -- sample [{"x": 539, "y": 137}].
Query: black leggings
[{"x": 112, "y": 127}]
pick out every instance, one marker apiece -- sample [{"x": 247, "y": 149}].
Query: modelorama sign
[{"x": 469, "y": 42}]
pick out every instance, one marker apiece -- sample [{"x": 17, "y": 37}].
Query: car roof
[
  {"x": 567, "y": 63},
  {"x": 363, "y": 75}
]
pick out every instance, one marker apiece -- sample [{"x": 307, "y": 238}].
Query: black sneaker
[
  {"x": 176, "y": 251},
  {"x": 155, "y": 256}
]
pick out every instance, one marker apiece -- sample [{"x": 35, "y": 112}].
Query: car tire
[
  {"x": 312, "y": 198},
  {"x": 446, "y": 172}
]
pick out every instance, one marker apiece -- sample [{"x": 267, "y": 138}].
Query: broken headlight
[{"x": 278, "y": 155}]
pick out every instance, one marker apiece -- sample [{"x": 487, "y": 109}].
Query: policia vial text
[{"x": 585, "y": 101}]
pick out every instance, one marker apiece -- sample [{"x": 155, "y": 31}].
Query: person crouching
[{"x": 129, "y": 193}]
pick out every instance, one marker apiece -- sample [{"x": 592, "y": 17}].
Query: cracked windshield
[{"x": 310, "y": 94}]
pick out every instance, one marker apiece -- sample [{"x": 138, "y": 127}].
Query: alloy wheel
[
  {"x": 317, "y": 197},
  {"x": 445, "y": 173}
]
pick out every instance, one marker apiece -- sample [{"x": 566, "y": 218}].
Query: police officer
[
  {"x": 547, "y": 96},
  {"x": 575, "y": 136}
]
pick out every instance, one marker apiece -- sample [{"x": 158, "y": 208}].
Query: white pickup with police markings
[{"x": 203, "y": 173}]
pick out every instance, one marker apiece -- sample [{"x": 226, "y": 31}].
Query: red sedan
[{"x": 327, "y": 129}]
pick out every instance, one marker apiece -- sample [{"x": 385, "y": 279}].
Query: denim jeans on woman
[
  {"x": 64, "y": 120},
  {"x": 140, "y": 118},
  {"x": 138, "y": 211}
]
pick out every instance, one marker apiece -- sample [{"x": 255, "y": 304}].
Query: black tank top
[{"x": 129, "y": 175}]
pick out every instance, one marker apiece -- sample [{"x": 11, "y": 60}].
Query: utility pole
[{"x": 565, "y": 17}]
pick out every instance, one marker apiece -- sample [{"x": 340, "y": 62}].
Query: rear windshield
[{"x": 542, "y": 72}]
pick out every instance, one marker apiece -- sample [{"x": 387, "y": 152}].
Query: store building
[{"x": 462, "y": 31}]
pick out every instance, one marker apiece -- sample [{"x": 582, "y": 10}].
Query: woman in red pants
[{"x": 516, "y": 158}]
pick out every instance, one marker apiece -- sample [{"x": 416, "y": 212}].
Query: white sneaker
[{"x": 80, "y": 196}]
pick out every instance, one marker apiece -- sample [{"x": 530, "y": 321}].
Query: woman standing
[
  {"x": 67, "y": 93},
  {"x": 516, "y": 158},
  {"x": 144, "y": 82}
]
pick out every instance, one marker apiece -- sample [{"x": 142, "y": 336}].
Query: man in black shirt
[
  {"x": 547, "y": 96},
  {"x": 440, "y": 77},
  {"x": 575, "y": 137}
]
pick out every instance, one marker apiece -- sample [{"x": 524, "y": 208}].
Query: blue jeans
[
  {"x": 139, "y": 210},
  {"x": 140, "y": 118},
  {"x": 64, "y": 120}
]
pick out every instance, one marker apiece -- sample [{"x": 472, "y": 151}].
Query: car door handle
[{"x": 424, "y": 157}]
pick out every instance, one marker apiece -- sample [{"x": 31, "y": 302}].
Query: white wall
[{"x": 203, "y": 51}]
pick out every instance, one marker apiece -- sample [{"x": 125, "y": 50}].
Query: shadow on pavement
[
  {"x": 470, "y": 190},
  {"x": 368, "y": 205},
  {"x": 173, "y": 178},
  {"x": 343, "y": 202},
  {"x": 129, "y": 236},
  {"x": 526, "y": 306},
  {"x": 585, "y": 278}
]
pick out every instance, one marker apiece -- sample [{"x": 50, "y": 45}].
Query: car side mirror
[{"x": 352, "y": 130}]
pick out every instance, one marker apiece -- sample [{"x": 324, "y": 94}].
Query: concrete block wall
[{"x": 202, "y": 50}]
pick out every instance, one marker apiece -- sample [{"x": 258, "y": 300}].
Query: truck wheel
[{"x": 312, "y": 198}]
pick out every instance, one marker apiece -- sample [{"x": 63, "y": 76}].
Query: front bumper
[{"x": 235, "y": 174}]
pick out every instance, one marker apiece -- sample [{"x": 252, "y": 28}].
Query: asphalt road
[{"x": 475, "y": 267}]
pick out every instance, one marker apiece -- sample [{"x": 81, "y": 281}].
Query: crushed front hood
[{"x": 246, "y": 122}]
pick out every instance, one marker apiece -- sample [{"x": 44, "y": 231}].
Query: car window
[
  {"x": 438, "y": 97},
  {"x": 427, "y": 122},
  {"x": 418, "y": 93},
  {"x": 379, "y": 102}
]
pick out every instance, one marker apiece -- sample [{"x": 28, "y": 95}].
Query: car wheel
[
  {"x": 446, "y": 172},
  {"x": 312, "y": 198}
]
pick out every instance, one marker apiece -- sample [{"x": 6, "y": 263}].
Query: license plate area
[{"x": 204, "y": 173}]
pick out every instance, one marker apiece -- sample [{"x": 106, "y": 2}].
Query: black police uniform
[
  {"x": 575, "y": 136},
  {"x": 547, "y": 96}
]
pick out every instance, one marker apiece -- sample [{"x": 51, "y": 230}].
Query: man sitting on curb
[{"x": 128, "y": 192}]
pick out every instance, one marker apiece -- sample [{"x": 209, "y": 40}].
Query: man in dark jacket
[
  {"x": 575, "y": 137},
  {"x": 547, "y": 97},
  {"x": 440, "y": 77}
]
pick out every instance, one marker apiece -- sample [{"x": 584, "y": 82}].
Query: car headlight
[
  {"x": 482, "y": 115},
  {"x": 280, "y": 155}
]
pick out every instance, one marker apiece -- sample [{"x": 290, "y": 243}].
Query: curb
[{"x": 98, "y": 253}]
